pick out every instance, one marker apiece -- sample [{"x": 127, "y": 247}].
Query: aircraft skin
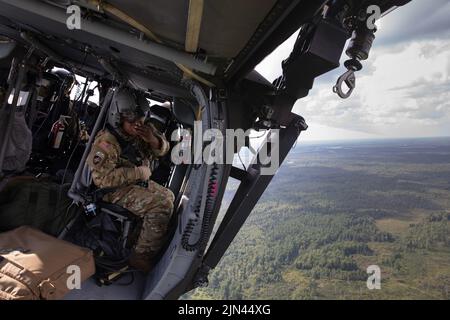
[{"x": 199, "y": 58}]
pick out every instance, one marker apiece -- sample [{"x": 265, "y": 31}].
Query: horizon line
[{"x": 371, "y": 139}]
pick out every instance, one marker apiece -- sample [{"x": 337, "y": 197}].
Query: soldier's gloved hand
[{"x": 143, "y": 173}]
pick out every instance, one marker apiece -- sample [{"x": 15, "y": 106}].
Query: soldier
[{"x": 120, "y": 158}]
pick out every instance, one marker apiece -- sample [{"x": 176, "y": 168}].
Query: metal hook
[{"x": 350, "y": 80}]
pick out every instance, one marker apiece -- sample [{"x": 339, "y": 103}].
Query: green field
[{"x": 334, "y": 210}]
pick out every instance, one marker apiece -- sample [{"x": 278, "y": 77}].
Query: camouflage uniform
[{"x": 153, "y": 204}]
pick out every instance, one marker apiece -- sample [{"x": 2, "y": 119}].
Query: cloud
[
  {"x": 404, "y": 93},
  {"x": 403, "y": 90},
  {"x": 418, "y": 20}
]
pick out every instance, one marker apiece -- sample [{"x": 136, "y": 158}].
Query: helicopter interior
[{"x": 194, "y": 60}]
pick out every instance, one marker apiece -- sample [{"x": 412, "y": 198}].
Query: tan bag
[{"x": 34, "y": 265}]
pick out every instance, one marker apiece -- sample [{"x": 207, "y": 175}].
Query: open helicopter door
[
  {"x": 188, "y": 260},
  {"x": 252, "y": 186},
  {"x": 82, "y": 178},
  {"x": 200, "y": 202}
]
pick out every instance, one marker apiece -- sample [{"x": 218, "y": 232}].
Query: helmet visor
[{"x": 131, "y": 116}]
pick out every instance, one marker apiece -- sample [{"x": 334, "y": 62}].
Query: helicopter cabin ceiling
[
  {"x": 162, "y": 41},
  {"x": 226, "y": 25}
]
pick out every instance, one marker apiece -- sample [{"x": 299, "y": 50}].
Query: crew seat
[{"x": 85, "y": 194}]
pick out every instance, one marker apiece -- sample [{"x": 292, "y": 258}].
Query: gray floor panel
[{"x": 91, "y": 291}]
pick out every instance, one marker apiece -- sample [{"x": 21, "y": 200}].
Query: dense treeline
[
  {"x": 317, "y": 227},
  {"x": 434, "y": 230},
  {"x": 320, "y": 245}
]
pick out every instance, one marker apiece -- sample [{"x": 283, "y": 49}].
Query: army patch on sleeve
[{"x": 98, "y": 158}]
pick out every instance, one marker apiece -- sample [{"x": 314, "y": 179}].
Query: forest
[{"x": 332, "y": 211}]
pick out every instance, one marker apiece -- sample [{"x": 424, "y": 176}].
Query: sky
[{"x": 403, "y": 90}]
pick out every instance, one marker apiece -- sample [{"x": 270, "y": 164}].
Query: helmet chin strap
[{"x": 118, "y": 131}]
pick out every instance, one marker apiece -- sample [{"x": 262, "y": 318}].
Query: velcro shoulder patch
[{"x": 99, "y": 157}]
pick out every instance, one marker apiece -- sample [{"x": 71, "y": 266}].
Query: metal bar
[
  {"x": 246, "y": 197},
  {"x": 35, "y": 43},
  {"x": 266, "y": 29},
  {"x": 12, "y": 112},
  {"x": 239, "y": 174},
  {"x": 33, "y": 109},
  {"x": 41, "y": 47},
  {"x": 103, "y": 6},
  {"x": 29, "y": 101},
  {"x": 3, "y": 107},
  {"x": 271, "y": 34},
  {"x": 72, "y": 191},
  {"x": 113, "y": 34}
]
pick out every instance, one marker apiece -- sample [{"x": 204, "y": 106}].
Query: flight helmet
[{"x": 127, "y": 105}]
